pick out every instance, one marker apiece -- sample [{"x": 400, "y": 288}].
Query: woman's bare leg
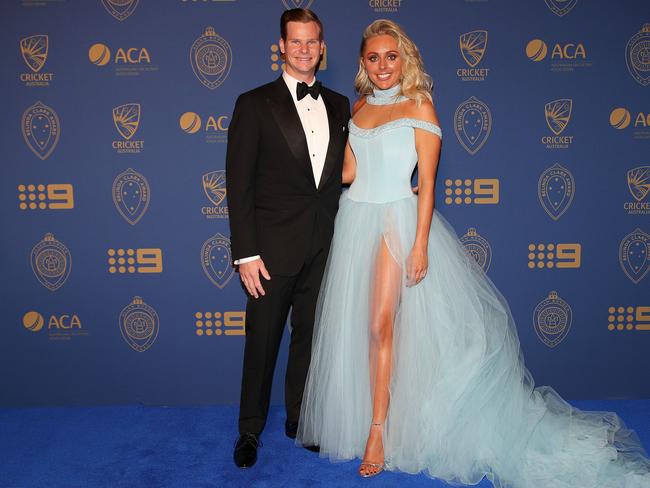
[{"x": 384, "y": 300}]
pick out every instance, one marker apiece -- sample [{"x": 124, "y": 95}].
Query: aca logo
[
  {"x": 128, "y": 61},
  {"x": 215, "y": 128},
  {"x": 563, "y": 255},
  {"x": 99, "y": 54},
  {"x": 220, "y": 323},
  {"x": 214, "y": 188},
  {"x": 628, "y": 318},
  {"x": 59, "y": 326},
  {"x": 620, "y": 118},
  {"x": 477, "y": 247},
  {"x": 637, "y": 56},
  {"x": 633, "y": 255},
  {"x": 131, "y": 194},
  {"x": 638, "y": 182},
  {"x": 564, "y": 56},
  {"x": 289, "y": 4},
  {"x": 55, "y": 196},
  {"x": 211, "y": 58},
  {"x": 34, "y": 50},
  {"x": 120, "y": 9},
  {"x": 33, "y": 321},
  {"x": 51, "y": 262},
  {"x": 277, "y": 57},
  {"x": 472, "y": 48},
  {"x": 139, "y": 325},
  {"x": 552, "y": 319},
  {"x": 127, "y": 120},
  {"x": 216, "y": 260},
  {"x": 558, "y": 115},
  {"x": 536, "y": 50},
  {"x": 478, "y": 191},
  {"x": 555, "y": 189},
  {"x": 41, "y": 129},
  {"x": 144, "y": 260},
  {"x": 561, "y": 7}
]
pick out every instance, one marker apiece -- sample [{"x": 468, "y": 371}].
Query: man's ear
[
  {"x": 322, "y": 48},
  {"x": 281, "y": 44}
]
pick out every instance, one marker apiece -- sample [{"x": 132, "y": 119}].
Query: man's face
[{"x": 302, "y": 49}]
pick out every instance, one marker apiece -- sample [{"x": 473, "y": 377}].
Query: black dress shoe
[
  {"x": 291, "y": 429},
  {"x": 245, "y": 453}
]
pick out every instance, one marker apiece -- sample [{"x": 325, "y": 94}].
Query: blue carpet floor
[{"x": 185, "y": 447}]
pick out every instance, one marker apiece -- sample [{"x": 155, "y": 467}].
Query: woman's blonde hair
[{"x": 416, "y": 83}]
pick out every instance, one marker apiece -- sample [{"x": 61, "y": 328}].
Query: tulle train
[{"x": 462, "y": 404}]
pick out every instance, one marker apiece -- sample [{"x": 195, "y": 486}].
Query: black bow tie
[{"x": 302, "y": 89}]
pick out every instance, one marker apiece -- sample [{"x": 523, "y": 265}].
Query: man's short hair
[{"x": 303, "y": 15}]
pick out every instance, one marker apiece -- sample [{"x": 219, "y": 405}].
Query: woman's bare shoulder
[
  {"x": 422, "y": 111},
  {"x": 358, "y": 104}
]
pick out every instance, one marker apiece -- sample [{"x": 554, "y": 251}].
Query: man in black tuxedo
[{"x": 283, "y": 171}]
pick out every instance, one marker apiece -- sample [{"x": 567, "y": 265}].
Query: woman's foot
[{"x": 373, "y": 458}]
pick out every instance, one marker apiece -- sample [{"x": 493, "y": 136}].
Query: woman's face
[{"x": 382, "y": 61}]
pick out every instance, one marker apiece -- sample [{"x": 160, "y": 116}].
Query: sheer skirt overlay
[{"x": 462, "y": 404}]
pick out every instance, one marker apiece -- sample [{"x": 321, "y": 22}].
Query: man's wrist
[{"x": 246, "y": 260}]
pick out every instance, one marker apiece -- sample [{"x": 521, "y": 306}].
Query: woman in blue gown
[{"x": 416, "y": 365}]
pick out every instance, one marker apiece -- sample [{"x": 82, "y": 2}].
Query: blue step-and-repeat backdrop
[{"x": 116, "y": 280}]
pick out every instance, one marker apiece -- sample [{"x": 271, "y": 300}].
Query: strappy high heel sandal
[{"x": 369, "y": 469}]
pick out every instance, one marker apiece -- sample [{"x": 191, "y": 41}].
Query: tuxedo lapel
[
  {"x": 285, "y": 115},
  {"x": 334, "y": 142}
]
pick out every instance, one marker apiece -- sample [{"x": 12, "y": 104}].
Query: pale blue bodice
[{"x": 385, "y": 155}]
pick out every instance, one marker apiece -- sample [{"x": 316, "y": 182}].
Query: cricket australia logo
[
  {"x": 34, "y": 51},
  {"x": 473, "y": 45}
]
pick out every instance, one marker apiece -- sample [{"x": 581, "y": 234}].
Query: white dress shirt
[{"x": 313, "y": 117}]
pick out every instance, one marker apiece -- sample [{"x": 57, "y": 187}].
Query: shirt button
[
  {"x": 307, "y": 110},
  {"x": 312, "y": 132}
]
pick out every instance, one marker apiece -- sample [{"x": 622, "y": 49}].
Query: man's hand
[{"x": 250, "y": 276}]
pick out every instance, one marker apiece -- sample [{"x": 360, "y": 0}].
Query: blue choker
[{"x": 386, "y": 97}]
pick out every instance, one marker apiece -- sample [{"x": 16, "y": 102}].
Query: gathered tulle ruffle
[{"x": 462, "y": 404}]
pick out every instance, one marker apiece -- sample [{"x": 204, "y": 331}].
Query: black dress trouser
[{"x": 265, "y": 320}]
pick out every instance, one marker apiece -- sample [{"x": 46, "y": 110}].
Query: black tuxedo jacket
[{"x": 275, "y": 208}]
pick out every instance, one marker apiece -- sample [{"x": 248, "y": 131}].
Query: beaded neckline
[
  {"x": 386, "y": 97},
  {"x": 393, "y": 124}
]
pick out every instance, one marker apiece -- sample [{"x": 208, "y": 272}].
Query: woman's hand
[{"x": 416, "y": 265}]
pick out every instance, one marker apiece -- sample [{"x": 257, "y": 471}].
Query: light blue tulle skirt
[{"x": 462, "y": 404}]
